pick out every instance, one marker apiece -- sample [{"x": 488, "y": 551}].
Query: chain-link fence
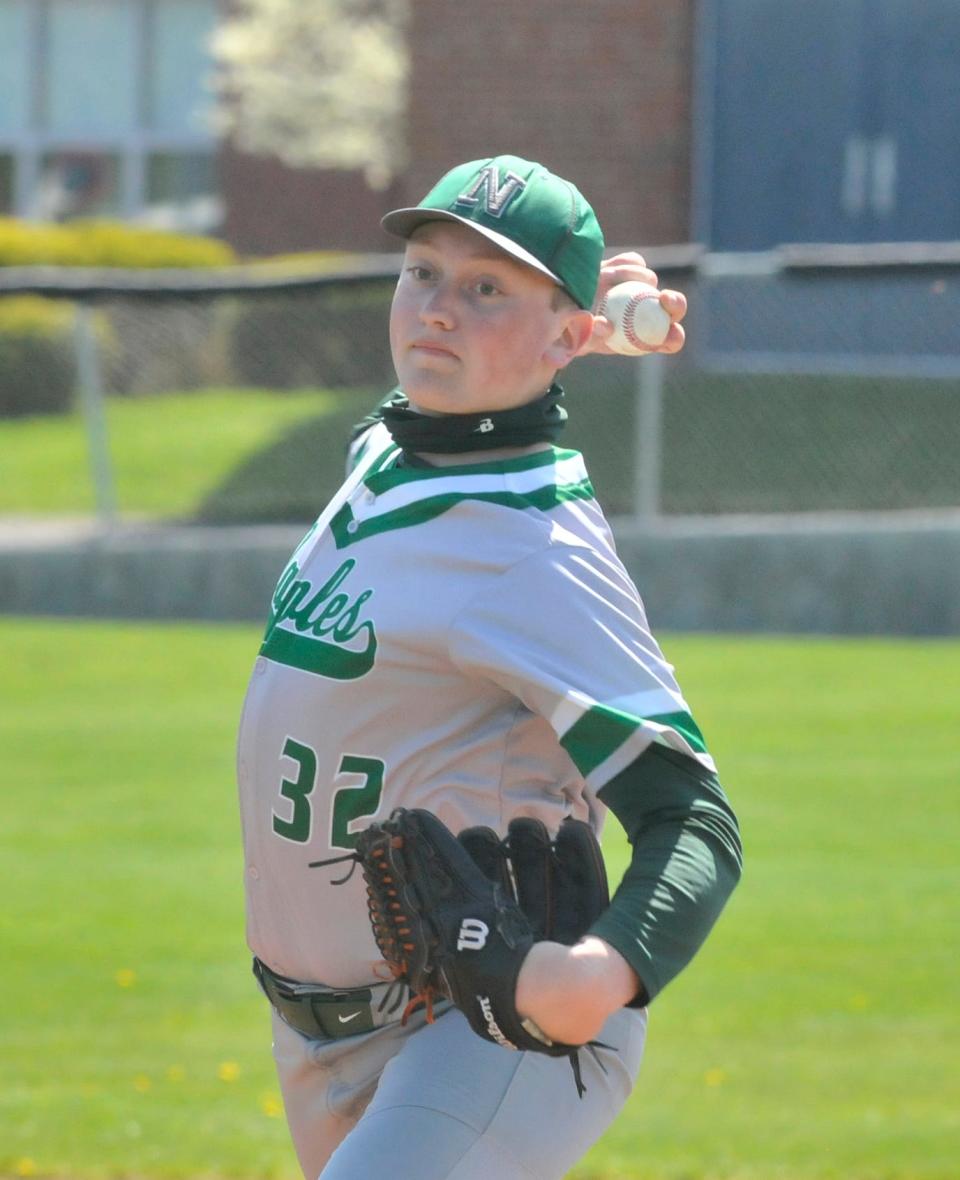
[{"x": 810, "y": 383}]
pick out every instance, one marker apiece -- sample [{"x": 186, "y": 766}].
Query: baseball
[{"x": 640, "y": 325}]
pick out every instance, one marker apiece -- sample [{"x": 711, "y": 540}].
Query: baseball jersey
[{"x": 462, "y": 639}]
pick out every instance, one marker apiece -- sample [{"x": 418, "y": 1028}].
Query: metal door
[{"x": 828, "y": 121}]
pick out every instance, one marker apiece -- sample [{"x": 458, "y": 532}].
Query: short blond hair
[{"x": 562, "y": 300}]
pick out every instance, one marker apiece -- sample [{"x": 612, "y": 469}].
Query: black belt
[{"x": 329, "y": 1012}]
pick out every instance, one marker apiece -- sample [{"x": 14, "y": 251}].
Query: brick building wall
[
  {"x": 597, "y": 90},
  {"x": 273, "y": 209}
]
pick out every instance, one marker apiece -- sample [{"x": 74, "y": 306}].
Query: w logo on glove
[{"x": 473, "y": 935}]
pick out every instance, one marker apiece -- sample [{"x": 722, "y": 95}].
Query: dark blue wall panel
[{"x": 833, "y": 122}]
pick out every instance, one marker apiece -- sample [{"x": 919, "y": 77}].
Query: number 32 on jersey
[{"x": 293, "y": 820}]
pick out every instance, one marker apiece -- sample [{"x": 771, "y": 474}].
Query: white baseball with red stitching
[{"x": 640, "y": 325}]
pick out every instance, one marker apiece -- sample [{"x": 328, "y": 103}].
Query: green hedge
[
  {"x": 105, "y": 243},
  {"x": 334, "y": 337},
  {"x": 36, "y": 358}
]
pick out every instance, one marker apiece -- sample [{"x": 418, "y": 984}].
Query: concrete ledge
[
  {"x": 146, "y": 572},
  {"x": 845, "y": 574},
  {"x": 856, "y": 574}
]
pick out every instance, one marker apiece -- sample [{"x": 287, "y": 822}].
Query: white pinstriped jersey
[{"x": 463, "y": 639}]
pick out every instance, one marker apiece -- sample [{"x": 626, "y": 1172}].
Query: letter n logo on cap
[{"x": 488, "y": 192}]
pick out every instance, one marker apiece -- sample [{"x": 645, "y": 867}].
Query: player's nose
[{"x": 438, "y": 306}]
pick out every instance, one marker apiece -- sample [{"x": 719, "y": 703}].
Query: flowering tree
[{"x": 316, "y": 82}]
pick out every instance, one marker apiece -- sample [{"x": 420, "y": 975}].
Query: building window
[
  {"x": 172, "y": 177},
  {"x": 90, "y": 79},
  {"x": 178, "y": 97},
  {"x": 78, "y": 184},
  {"x": 14, "y": 75},
  {"x": 104, "y": 110},
  {"x": 181, "y": 191}
]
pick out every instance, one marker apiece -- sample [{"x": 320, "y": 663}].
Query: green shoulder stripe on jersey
[
  {"x": 601, "y": 731},
  {"x": 422, "y": 494},
  {"x": 388, "y": 476},
  {"x": 346, "y": 530},
  {"x": 389, "y": 455}
]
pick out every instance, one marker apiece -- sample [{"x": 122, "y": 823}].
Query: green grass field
[
  {"x": 813, "y": 1039},
  {"x": 169, "y": 452},
  {"x": 804, "y": 443}
]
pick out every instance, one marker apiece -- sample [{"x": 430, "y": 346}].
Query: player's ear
[{"x": 576, "y": 328}]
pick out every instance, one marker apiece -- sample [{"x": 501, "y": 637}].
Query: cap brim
[{"x": 403, "y": 222}]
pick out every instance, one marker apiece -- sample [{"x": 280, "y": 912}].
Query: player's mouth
[{"x": 432, "y": 348}]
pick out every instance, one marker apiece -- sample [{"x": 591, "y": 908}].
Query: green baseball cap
[{"x": 533, "y": 215}]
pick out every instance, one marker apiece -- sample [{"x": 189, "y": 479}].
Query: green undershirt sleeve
[{"x": 687, "y": 859}]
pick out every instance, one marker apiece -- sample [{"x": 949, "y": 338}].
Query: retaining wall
[{"x": 856, "y": 574}]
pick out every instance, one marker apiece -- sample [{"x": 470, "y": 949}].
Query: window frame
[{"x": 30, "y": 144}]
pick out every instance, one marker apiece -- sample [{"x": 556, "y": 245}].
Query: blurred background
[
  {"x": 202, "y": 184},
  {"x": 194, "y": 292}
]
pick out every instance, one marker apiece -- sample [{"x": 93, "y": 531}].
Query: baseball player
[{"x": 456, "y": 633}]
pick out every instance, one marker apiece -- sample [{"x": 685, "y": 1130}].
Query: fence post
[
  {"x": 648, "y": 436},
  {"x": 90, "y": 391}
]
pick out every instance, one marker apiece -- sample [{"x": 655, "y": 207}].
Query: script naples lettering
[{"x": 324, "y": 622}]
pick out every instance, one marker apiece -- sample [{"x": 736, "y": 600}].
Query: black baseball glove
[{"x": 455, "y": 917}]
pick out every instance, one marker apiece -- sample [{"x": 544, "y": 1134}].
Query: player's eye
[
  {"x": 486, "y": 288},
  {"x": 420, "y": 273}
]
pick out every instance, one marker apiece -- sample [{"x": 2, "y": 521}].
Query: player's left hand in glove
[{"x": 456, "y": 917}]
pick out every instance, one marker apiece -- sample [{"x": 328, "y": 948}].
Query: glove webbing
[{"x": 389, "y": 929}]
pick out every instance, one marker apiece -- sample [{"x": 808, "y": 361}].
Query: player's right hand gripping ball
[
  {"x": 640, "y": 324},
  {"x": 455, "y": 918}
]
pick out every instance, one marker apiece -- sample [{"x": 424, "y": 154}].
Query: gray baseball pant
[{"x": 437, "y": 1102}]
